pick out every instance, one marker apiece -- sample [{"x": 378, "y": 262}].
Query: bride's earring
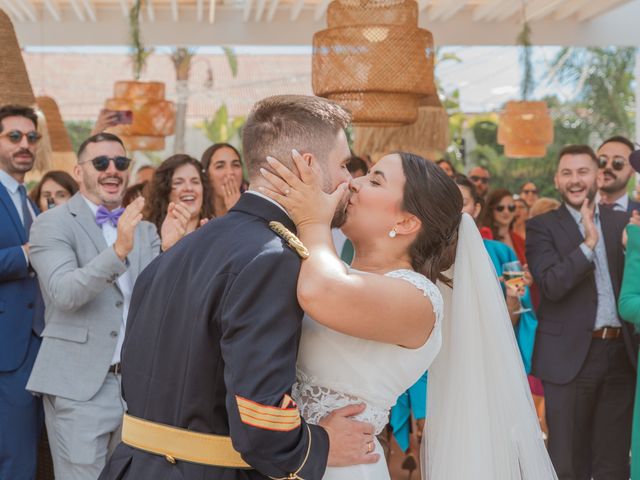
[{"x": 393, "y": 233}]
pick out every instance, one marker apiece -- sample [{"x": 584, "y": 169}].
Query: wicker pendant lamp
[
  {"x": 374, "y": 60},
  {"x": 427, "y": 137},
  {"x": 55, "y": 142},
  {"x": 15, "y": 88},
  {"x": 153, "y": 116},
  {"x": 525, "y": 127}
]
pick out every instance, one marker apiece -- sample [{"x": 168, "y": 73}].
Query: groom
[{"x": 213, "y": 332}]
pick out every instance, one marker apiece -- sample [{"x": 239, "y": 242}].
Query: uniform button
[
  {"x": 114, "y": 334},
  {"x": 30, "y": 305},
  {"x": 119, "y": 303},
  {"x": 32, "y": 274}
]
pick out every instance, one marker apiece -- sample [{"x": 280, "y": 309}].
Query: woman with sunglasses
[
  {"x": 179, "y": 179},
  {"x": 498, "y": 219},
  {"x": 55, "y": 188}
]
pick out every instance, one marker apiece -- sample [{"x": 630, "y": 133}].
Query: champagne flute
[{"x": 513, "y": 274}]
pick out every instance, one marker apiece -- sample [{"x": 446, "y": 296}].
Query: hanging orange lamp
[
  {"x": 525, "y": 129},
  {"x": 374, "y": 60},
  {"x": 153, "y": 117}
]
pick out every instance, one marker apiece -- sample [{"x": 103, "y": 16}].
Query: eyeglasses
[
  {"x": 101, "y": 163},
  {"x": 500, "y": 208},
  {"x": 618, "y": 163},
  {"x": 15, "y": 136},
  {"x": 528, "y": 191},
  {"x": 483, "y": 180}
]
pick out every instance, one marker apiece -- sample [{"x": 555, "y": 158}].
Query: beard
[
  {"x": 340, "y": 217},
  {"x": 13, "y": 166},
  {"x": 616, "y": 184},
  {"x": 591, "y": 195}
]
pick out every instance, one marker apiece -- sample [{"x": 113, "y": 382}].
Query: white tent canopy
[{"x": 293, "y": 22}]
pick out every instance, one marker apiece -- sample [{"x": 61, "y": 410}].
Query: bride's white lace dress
[{"x": 335, "y": 370}]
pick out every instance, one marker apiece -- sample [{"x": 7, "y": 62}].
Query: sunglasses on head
[
  {"x": 475, "y": 178},
  {"x": 500, "y": 208},
  {"x": 15, "y": 136},
  {"x": 527, "y": 191},
  {"x": 101, "y": 163},
  {"x": 618, "y": 163}
]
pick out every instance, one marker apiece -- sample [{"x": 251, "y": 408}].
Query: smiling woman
[{"x": 181, "y": 180}]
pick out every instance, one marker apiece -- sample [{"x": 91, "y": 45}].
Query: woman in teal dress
[{"x": 629, "y": 308}]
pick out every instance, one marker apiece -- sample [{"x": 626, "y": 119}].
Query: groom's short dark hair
[{"x": 278, "y": 124}]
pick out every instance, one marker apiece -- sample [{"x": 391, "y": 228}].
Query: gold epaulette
[{"x": 292, "y": 241}]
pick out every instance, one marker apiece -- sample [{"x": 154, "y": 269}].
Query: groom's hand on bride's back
[{"x": 350, "y": 441}]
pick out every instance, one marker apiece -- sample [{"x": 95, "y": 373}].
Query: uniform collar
[{"x": 265, "y": 208}]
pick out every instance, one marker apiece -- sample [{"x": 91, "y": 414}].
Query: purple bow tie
[{"x": 104, "y": 215}]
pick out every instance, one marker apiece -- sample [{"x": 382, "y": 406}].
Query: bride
[{"x": 371, "y": 330}]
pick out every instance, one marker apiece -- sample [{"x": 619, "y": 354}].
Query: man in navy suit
[
  {"x": 613, "y": 156},
  {"x": 584, "y": 354},
  {"x": 21, "y": 307}
]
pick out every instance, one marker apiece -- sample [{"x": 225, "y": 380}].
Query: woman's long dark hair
[
  {"x": 160, "y": 189},
  {"x": 493, "y": 200},
  {"x": 63, "y": 179},
  {"x": 435, "y": 199},
  {"x": 205, "y": 160}
]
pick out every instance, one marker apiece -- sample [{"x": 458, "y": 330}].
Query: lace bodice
[{"x": 335, "y": 370}]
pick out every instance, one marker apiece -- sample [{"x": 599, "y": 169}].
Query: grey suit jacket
[{"x": 83, "y": 304}]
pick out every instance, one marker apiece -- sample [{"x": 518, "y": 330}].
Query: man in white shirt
[
  {"x": 88, "y": 254},
  {"x": 615, "y": 173}
]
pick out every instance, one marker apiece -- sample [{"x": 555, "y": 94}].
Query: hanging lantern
[
  {"x": 15, "y": 87},
  {"x": 374, "y": 60},
  {"x": 525, "y": 129},
  {"x": 55, "y": 145},
  {"x": 427, "y": 137},
  {"x": 153, "y": 117}
]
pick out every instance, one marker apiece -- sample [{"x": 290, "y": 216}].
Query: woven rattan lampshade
[
  {"x": 15, "y": 87},
  {"x": 374, "y": 60},
  {"x": 56, "y": 142},
  {"x": 153, "y": 116},
  {"x": 427, "y": 137},
  {"x": 525, "y": 129}
]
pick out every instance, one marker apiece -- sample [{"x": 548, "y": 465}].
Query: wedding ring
[
  {"x": 370, "y": 447},
  {"x": 287, "y": 192}
]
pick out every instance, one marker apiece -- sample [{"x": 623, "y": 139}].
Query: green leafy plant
[
  {"x": 138, "y": 52},
  {"x": 222, "y": 128}
]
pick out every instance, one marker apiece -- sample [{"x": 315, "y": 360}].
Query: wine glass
[{"x": 513, "y": 274}]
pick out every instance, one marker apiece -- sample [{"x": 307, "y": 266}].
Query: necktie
[
  {"x": 27, "y": 220},
  {"x": 104, "y": 215}
]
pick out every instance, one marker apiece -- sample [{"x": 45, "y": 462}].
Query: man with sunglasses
[
  {"x": 615, "y": 173},
  {"x": 21, "y": 309},
  {"x": 88, "y": 254},
  {"x": 481, "y": 178},
  {"x": 584, "y": 353},
  {"x": 529, "y": 193}
]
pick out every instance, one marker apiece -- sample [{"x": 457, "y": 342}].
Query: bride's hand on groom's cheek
[
  {"x": 302, "y": 196},
  {"x": 351, "y": 442}
]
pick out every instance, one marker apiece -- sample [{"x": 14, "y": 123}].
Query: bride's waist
[{"x": 316, "y": 402}]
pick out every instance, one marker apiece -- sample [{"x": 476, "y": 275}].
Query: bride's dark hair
[{"x": 435, "y": 199}]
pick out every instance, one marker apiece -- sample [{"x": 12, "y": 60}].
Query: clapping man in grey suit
[{"x": 88, "y": 254}]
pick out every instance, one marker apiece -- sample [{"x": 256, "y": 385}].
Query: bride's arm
[{"x": 369, "y": 306}]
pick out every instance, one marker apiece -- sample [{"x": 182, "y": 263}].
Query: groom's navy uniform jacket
[{"x": 211, "y": 345}]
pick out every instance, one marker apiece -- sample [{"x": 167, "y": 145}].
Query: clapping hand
[
  {"x": 231, "y": 192},
  {"x": 591, "y": 235},
  {"x": 127, "y": 223},
  {"x": 303, "y": 197},
  {"x": 635, "y": 220},
  {"x": 174, "y": 226}
]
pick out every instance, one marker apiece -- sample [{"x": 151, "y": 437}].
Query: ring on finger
[
  {"x": 287, "y": 192},
  {"x": 370, "y": 447}
]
